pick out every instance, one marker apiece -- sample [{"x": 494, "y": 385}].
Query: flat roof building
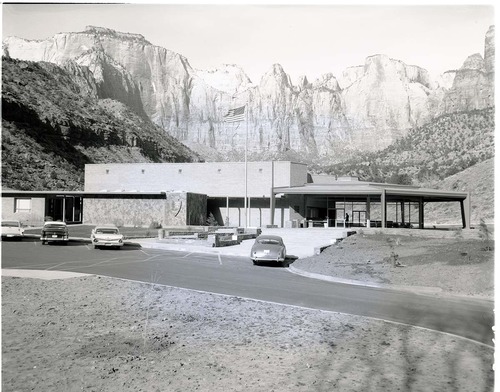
[{"x": 279, "y": 193}]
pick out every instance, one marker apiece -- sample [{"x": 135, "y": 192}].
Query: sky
[{"x": 306, "y": 40}]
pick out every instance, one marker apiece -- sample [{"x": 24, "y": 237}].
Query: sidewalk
[{"x": 299, "y": 243}]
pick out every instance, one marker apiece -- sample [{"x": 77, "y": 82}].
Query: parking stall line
[{"x": 70, "y": 262}]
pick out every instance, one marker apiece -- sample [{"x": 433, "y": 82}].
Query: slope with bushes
[
  {"x": 446, "y": 146},
  {"x": 53, "y": 124}
]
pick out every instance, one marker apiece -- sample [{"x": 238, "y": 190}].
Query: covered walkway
[{"x": 364, "y": 204}]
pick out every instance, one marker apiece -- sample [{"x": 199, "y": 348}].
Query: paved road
[{"x": 470, "y": 318}]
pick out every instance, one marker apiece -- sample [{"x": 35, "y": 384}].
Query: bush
[
  {"x": 118, "y": 222},
  {"x": 211, "y": 221},
  {"x": 154, "y": 225},
  {"x": 485, "y": 234}
]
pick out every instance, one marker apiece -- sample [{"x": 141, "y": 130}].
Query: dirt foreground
[{"x": 102, "y": 334}]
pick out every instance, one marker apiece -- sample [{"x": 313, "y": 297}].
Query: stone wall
[
  {"x": 177, "y": 209},
  {"x": 123, "y": 212}
]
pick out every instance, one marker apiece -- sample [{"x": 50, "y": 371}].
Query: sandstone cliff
[{"x": 367, "y": 108}]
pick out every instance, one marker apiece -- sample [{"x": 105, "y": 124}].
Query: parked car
[
  {"x": 106, "y": 235},
  {"x": 54, "y": 232},
  {"x": 12, "y": 229},
  {"x": 268, "y": 248}
]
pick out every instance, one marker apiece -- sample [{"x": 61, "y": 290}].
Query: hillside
[
  {"x": 479, "y": 181},
  {"x": 443, "y": 147},
  {"x": 53, "y": 124}
]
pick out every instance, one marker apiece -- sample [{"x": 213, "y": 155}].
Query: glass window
[{"x": 22, "y": 205}]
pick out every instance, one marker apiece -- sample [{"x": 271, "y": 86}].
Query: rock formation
[{"x": 367, "y": 108}]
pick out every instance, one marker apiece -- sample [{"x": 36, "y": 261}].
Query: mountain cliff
[
  {"x": 53, "y": 123},
  {"x": 366, "y": 109}
]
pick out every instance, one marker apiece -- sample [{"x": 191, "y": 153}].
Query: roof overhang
[
  {"x": 115, "y": 195},
  {"x": 364, "y": 190}
]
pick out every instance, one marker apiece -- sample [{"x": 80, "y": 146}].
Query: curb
[{"x": 328, "y": 278}]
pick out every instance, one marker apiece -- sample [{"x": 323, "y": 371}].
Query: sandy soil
[
  {"x": 101, "y": 334},
  {"x": 455, "y": 266}
]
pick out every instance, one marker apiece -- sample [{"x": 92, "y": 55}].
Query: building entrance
[{"x": 64, "y": 208}]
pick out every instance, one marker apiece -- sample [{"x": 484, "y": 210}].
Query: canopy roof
[{"x": 360, "y": 189}]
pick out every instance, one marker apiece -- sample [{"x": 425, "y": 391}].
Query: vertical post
[
  {"x": 421, "y": 213},
  {"x": 272, "y": 207},
  {"x": 227, "y": 210},
  {"x": 383, "y": 209},
  {"x": 367, "y": 209},
  {"x": 465, "y": 209},
  {"x": 246, "y": 167},
  {"x": 272, "y": 200}
]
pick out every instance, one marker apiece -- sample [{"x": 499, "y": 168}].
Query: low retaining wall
[
  {"x": 321, "y": 248},
  {"x": 213, "y": 235}
]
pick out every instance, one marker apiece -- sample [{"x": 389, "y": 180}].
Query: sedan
[
  {"x": 54, "y": 232},
  {"x": 268, "y": 248},
  {"x": 12, "y": 229},
  {"x": 106, "y": 235}
]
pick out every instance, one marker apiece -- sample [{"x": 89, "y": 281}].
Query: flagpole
[{"x": 246, "y": 168}]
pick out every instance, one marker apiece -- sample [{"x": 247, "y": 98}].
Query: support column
[
  {"x": 249, "y": 224},
  {"x": 272, "y": 199},
  {"x": 465, "y": 209},
  {"x": 272, "y": 206},
  {"x": 383, "y": 207},
  {"x": 403, "y": 213},
  {"x": 420, "y": 213},
  {"x": 227, "y": 211},
  {"x": 367, "y": 208}
]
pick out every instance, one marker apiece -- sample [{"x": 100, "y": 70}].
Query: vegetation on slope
[
  {"x": 444, "y": 147},
  {"x": 479, "y": 181},
  {"x": 52, "y": 125}
]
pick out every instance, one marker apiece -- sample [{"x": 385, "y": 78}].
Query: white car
[
  {"x": 106, "y": 236},
  {"x": 12, "y": 229},
  {"x": 270, "y": 248}
]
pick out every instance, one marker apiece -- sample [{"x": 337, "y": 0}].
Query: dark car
[
  {"x": 268, "y": 248},
  {"x": 54, "y": 232}
]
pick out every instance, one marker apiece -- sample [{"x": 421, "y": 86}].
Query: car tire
[
  {"x": 255, "y": 262},
  {"x": 43, "y": 242},
  {"x": 96, "y": 247}
]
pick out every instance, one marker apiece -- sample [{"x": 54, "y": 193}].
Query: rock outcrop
[{"x": 367, "y": 108}]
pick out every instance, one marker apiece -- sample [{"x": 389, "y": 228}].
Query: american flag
[{"x": 234, "y": 115}]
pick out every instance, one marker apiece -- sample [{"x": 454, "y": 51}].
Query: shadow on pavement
[
  {"x": 285, "y": 264},
  {"x": 132, "y": 246}
]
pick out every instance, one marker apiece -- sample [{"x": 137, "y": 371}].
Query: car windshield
[
  {"x": 10, "y": 224},
  {"x": 106, "y": 231},
  {"x": 268, "y": 241}
]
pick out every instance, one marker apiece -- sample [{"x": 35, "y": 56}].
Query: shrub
[
  {"x": 118, "y": 222},
  {"x": 154, "y": 225},
  {"x": 485, "y": 234},
  {"x": 211, "y": 221}
]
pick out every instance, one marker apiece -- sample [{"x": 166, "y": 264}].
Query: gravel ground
[
  {"x": 451, "y": 265},
  {"x": 102, "y": 334}
]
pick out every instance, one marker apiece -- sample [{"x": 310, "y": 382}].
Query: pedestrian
[{"x": 346, "y": 220}]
